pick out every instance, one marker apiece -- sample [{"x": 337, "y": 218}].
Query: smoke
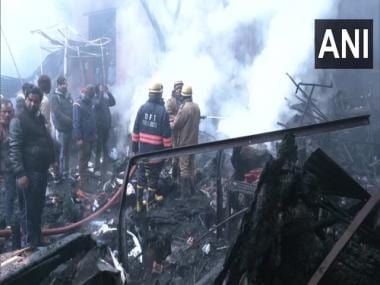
[
  {"x": 18, "y": 18},
  {"x": 234, "y": 53}
]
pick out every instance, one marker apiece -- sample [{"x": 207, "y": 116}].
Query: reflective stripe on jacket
[{"x": 151, "y": 130}]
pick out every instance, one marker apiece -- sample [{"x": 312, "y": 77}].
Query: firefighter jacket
[
  {"x": 152, "y": 129},
  {"x": 172, "y": 106},
  {"x": 186, "y": 123}
]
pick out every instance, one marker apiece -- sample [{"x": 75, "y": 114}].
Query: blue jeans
[
  {"x": 64, "y": 140},
  {"x": 32, "y": 202}
]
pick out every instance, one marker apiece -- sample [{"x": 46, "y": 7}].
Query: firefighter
[
  {"x": 151, "y": 132},
  {"x": 172, "y": 106},
  {"x": 186, "y": 124}
]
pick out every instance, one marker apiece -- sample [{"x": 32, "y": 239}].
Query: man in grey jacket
[{"x": 61, "y": 105}]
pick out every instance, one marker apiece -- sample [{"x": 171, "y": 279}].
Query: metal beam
[{"x": 302, "y": 131}]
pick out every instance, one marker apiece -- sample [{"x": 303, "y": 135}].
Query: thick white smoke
[
  {"x": 234, "y": 53},
  {"x": 247, "y": 86},
  {"x": 18, "y": 18}
]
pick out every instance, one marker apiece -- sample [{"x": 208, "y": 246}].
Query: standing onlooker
[
  {"x": 44, "y": 83},
  {"x": 30, "y": 155},
  {"x": 61, "y": 105},
  {"x": 20, "y": 98},
  {"x": 102, "y": 101},
  {"x": 84, "y": 127},
  {"x": 186, "y": 124},
  {"x": 9, "y": 179}
]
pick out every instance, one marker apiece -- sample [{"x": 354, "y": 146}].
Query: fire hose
[{"x": 60, "y": 230}]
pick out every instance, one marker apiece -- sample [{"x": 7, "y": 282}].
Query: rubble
[
  {"x": 300, "y": 209},
  {"x": 293, "y": 215},
  {"x": 32, "y": 264},
  {"x": 287, "y": 209}
]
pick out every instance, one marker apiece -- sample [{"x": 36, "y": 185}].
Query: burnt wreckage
[
  {"x": 286, "y": 223},
  {"x": 297, "y": 215}
]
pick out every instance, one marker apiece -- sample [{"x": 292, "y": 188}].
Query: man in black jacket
[
  {"x": 151, "y": 132},
  {"x": 30, "y": 154},
  {"x": 61, "y": 105},
  {"x": 102, "y": 101}
]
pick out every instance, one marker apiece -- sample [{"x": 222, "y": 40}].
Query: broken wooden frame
[
  {"x": 34, "y": 268},
  {"x": 220, "y": 146}
]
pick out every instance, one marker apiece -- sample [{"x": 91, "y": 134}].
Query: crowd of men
[
  {"x": 38, "y": 132},
  {"x": 36, "y": 135}
]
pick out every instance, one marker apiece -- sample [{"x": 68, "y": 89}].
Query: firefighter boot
[{"x": 158, "y": 197}]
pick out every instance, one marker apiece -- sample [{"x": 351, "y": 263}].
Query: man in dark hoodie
[
  {"x": 61, "y": 105},
  {"x": 84, "y": 127},
  {"x": 103, "y": 100},
  {"x": 30, "y": 155}
]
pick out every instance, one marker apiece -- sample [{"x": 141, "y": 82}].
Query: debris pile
[
  {"x": 278, "y": 221},
  {"x": 75, "y": 259},
  {"x": 302, "y": 212},
  {"x": 295, "y": 215}
]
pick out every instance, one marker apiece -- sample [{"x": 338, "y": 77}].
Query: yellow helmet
[
  {"x": 187, "y": 91},
  {"x": 156, "y": 87},
  {"x": 177, "y": 83}
]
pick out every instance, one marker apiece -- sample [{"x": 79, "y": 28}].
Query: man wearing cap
[
  {"x": 186, "y": 124},
  {"x": 151, "y": 132}
]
